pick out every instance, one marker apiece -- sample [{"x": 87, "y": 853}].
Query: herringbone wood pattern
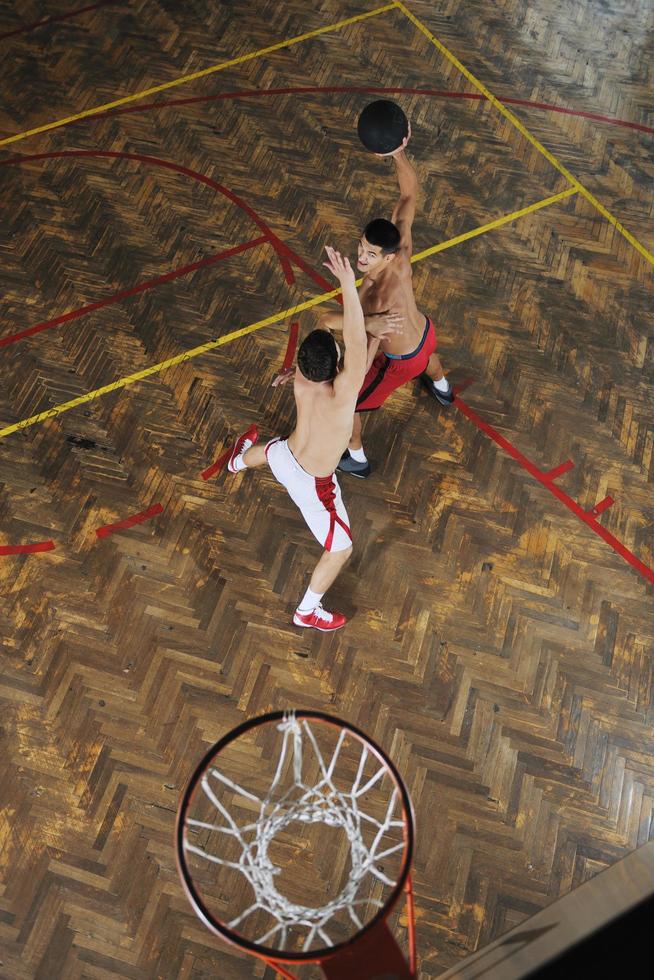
[{"x": 498, "y": 648}]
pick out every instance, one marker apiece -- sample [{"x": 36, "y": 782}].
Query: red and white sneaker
[
  {"x": 320, "y": 619},
  {"x": 244, "y": 441}
]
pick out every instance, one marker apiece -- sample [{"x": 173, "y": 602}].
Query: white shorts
[{"x": 318, "y": 497}]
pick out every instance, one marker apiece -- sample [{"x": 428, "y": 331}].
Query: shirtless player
[
  {"x": 325, "y": 398},
  {"x": 387, "y": 299}
]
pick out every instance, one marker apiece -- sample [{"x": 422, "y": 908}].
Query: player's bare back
[{"x": 324, "y": 425}]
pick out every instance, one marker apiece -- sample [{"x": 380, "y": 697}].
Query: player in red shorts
[{"x": 387, "y": 299}]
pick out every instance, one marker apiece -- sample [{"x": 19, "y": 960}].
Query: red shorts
[{"x": 390, "y": 371}]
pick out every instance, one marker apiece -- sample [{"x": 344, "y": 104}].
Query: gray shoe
[
  {"x": 443, "y": 397},
  {"x": 349, "y": 465}
]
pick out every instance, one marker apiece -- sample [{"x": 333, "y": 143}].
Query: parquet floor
[{"x": 500, "y": 648}]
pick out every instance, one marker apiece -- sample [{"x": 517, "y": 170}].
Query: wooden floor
[{"x": 501, "y": 646}]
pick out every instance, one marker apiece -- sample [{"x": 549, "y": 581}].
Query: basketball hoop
[{"x": 294, "y": 842}]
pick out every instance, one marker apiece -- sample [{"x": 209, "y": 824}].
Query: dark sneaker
[
  {"x": 351, "y": 466},
  {"x": 320, "y": 619},
  {"x": 443, "y": 397}
]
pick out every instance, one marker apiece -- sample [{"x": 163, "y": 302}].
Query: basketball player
[
  {"x": 387, "y": 299},
  {"x": 325, "y": 398}
]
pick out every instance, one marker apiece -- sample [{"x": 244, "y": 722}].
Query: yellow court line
[
  {"x": 568, "y": 192},
  {"x": 287, "y": 314},
  {"x": 527, "y": 135},
  {"x": 197, "y": 74}
]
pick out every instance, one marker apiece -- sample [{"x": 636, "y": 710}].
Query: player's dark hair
[
  {"x": 317, "y": 357},
  {"x": 384, "y": 234}
]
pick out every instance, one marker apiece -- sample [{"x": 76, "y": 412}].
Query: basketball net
[{"x": 319, "y": 803}]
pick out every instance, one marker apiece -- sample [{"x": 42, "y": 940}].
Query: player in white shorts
[
  {"x": 318, "y": 497},
  {"x": 305, "y": 463}
]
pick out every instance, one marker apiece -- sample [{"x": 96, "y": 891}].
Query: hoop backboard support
[
  {"x": 316, "y": 796},
  {"x": 376, "y": 956}
]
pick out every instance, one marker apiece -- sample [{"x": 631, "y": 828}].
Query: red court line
[
  {"x": 132, "y": 291},
  {"x": 55, "y": 18},
  {"x": 352, "y": 89},
  {"x": 285, "y": 254},
  {"x": 26, "y": 549},
  {"x": 546, "y": 480},
  {"x": 560, "y": 470},
  {"x": 144, "y": 515},
  {"x": 282, "y": 251},
  {"x": 600, "y": 507},
  {"x": 309, "y": 270},
  {"x": 292, "y": 344},
  {"x": 287, "y": 267},
  {"x": 463, "y": 385},
  {"x": 217, "y": 466}
]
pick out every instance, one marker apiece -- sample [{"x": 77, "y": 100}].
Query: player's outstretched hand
[
  {"x": 339, "y": 266},
  {"x": 285, "y": 375},
  {"x": 383, "y": 325},
  {"x": 400, "y": 148}
]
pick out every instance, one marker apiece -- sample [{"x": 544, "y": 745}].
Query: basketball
[{"x": 382, "y": 126}]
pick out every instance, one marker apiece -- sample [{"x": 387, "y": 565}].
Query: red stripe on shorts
[
  {"x": 326, "y": 495},
  {"x": 271, "y": 443}
]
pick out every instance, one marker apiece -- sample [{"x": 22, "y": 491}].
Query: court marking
[
  {"x": 396, "y": 4},
  {"x": 211, "y": 70},
  {"x": 127, "y": 522},
  {"x": 370, "y": 90},
  {"x": 546, "y": 478},
  {"x": 289, "y": 356},
  {"x": 577, "y": 187},
  {"x": 289, "y": 313},
  {"x": 285, "y": 255},
  {"x": 217, "y": 466},
  {"x": 298, "y": 90},
  {"x": 26, "y": 549},
  {"x": 441, "y": 246},
  {"x": 55, "y": 18},
  {"x": 141, "y": 287},
  {"x": 522, "y": 129}
]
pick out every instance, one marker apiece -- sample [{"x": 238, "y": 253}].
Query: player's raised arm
[
  {"x": 353, "y": 325},
  {"x": 405, "y": 209}
]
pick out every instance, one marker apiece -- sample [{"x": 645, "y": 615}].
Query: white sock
[
  {"x": 310, "y": 601},
  {"x": 239, "y": 463},
  {"x": 358, "y": 455},
  {"x": 442, "y": 385}
]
